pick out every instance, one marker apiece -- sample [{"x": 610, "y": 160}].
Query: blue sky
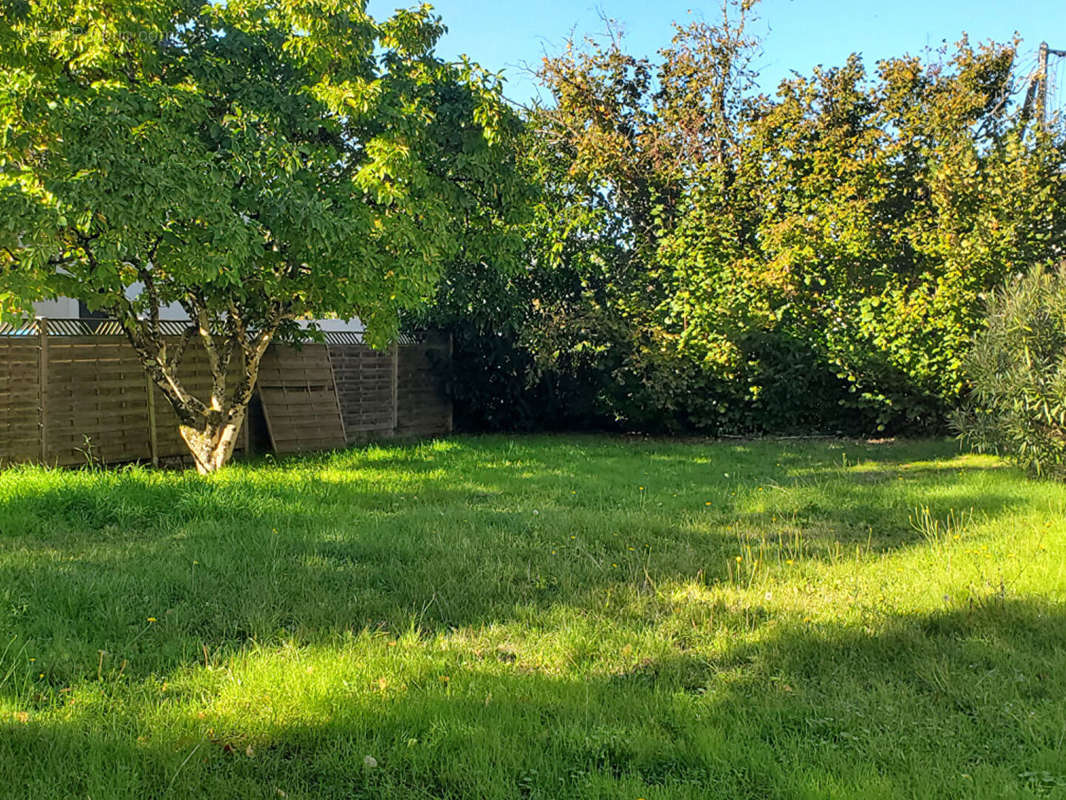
[{"x": 799, "y": 34}]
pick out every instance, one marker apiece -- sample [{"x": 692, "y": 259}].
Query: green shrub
[
  {"x": 1017, "y": 407},
  {"x": 704, "y": 258}
]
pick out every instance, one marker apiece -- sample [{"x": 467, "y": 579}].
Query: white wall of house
[
  {"x": 67, "y": 307},
  {"x": 63, "y": 308},
  {"x": 337, "y": 325}
]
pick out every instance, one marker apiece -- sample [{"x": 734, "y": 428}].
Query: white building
[{"x": 69, "y": 308}]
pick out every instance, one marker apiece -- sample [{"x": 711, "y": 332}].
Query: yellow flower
[
  {"x": 739, "y": 559},
  {"x": 151, "y": 619}
]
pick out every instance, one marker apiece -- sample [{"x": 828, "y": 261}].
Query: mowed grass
[{"x": 540, "y": 617}]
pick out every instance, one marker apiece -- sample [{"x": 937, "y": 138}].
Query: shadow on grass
[
  {"x": 968, "y": 701},
  {"x": 465, "y": 533}
]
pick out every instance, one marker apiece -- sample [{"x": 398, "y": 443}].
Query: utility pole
[
  {"x": 1041, "y": 81},
  {"x": 1041, "y": 90}
]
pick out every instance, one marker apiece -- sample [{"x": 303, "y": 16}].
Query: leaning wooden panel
[
  {"x": 364, "y": 388},
  {"x": 300, "y": 402}
]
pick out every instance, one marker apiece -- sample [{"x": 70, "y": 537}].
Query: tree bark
[{"x": 212, "y": 446}]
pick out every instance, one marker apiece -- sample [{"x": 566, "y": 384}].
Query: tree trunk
[
  {"x": 209, "y": 427},
  {"x": 212, "y": 446}
]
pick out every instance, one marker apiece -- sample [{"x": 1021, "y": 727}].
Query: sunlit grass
[{"x": 538, "y": 617}]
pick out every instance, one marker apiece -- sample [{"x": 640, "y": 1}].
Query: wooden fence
[{"x": 74, "y": 390}]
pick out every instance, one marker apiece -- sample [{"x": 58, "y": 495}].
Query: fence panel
[
  {"x": 365, "y": 389},
  {"x": 300, "y": 399},
  {"x": 74, "y": 389},
  {"x": 96, "y": 401},
  {"x": 20, "y": 400},
  {"x": 423, "y": 406}
]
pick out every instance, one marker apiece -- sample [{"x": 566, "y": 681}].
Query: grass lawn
[{"x": 539, "y": 617}]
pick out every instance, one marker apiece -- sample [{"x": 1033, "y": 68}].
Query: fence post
[
  {"x": 396, "y": 386},
  {"x": 449, "y": 373},
  {"x": 42, "y": 385},
  {"x": 153, "y": 445}
]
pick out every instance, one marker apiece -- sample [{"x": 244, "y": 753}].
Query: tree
[
  {"x": 259, "y": 162},
  {"x": 884, "y": 205},
  {"x": 708, "y": 257}
]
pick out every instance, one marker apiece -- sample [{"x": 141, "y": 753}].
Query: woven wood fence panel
[
  {"x": 300, "y": 399},
  {"x": 96, "y": 402},
  {"x": 20, "y": 416}
]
